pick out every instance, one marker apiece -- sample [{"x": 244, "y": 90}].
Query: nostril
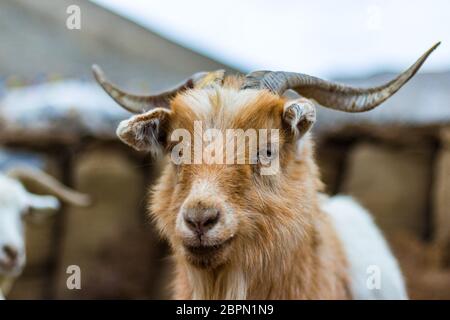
[
  {"x": 201, "y": 221},
  {"x": 11, "y": 252},
  {"x": 212, "y": 220},
  {"x": 191, "y": 223}
]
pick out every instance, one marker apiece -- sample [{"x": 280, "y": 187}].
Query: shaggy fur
[
  {"x": 267, "y": 236},
  {"x": 279, "y": 243}
]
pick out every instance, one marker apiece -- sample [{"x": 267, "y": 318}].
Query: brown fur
[{"x": 284, "y": 246}]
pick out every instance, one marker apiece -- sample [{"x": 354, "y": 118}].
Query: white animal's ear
[
  {"x": 299, "y": 115},
  {"x": 146, "y": 131},
  {"x": 42, "y": 202}
]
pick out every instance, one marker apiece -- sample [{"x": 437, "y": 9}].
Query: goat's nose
[
  {"x": 11, "y": 252},
  {"x": 201, "y": 220}
]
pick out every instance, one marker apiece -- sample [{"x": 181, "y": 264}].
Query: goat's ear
[
  {"x": 42, "y": 202},
  {"x": 146, "y": 131},
  {"x": 299, "y": 116}
]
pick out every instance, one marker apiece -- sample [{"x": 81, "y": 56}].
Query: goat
[
  {"x": 15, "y": 203},
  {"x": 235, "y": 232}
]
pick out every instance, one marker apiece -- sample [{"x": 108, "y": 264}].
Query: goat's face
[
  {"x": 207, "y": 204},
  {"x": 15, "y": 203},
  {"x": 214, "y": 199}
]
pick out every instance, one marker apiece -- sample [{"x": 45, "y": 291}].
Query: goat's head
[
  {"x": 210, "y": 203},
  {"x": 16, "y": 202}
]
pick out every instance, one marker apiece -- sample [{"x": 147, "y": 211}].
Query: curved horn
[
  {"x": 330, "y": 94},
  {"x": 50, "y": 184},
  {"x": 137, "y": 103}
]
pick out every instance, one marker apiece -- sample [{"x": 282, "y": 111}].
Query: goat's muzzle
[{"x": 205, "y": 233}]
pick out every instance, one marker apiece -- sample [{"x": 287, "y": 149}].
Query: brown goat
[{"x": 237, "y": 233}]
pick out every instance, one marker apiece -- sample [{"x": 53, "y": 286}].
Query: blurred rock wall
[{"x": 402, "y": 175}]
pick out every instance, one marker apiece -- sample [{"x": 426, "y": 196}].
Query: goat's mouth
[{"x": 207, "y": 255}]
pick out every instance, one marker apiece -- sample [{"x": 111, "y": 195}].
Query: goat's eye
[{"x": 265, "y": 156}]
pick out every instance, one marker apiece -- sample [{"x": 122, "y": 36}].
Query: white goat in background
[{"x": 15, "y": 203}]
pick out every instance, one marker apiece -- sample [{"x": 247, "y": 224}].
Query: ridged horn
[
  {"x": 142, "y": 103},
  {"x": 330, "y": 94}
]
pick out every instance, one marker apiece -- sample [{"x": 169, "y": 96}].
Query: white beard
[{"x": 229, "y": 285}]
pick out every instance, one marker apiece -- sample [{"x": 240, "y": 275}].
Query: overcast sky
[{"x": 323, "y": 37}]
